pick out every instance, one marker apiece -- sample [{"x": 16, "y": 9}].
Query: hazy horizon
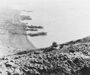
[{"x": 63, "y": 20}]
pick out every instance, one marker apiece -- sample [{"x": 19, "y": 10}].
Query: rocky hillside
[{"x": 71, "y": 58}]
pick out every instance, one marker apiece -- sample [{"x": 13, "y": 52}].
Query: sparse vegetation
[{"x": 69, "y": 60}]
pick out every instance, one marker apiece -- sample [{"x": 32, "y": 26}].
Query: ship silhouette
[{"x": 13, "y": 36}]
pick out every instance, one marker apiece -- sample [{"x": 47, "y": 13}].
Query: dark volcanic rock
[{"x": 71, "y": 59}]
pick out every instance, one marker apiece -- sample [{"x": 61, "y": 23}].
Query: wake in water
[{"x": 13, "y": 36}]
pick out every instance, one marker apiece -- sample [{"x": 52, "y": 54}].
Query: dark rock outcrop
[{"x": 70, "y": 59}]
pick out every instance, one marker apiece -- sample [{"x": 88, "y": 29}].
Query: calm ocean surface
[{"x": 63, "y": 20}]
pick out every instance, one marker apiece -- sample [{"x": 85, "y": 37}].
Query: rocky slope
[{"x": 71, "y": 58}]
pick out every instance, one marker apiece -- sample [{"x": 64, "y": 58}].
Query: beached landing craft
[
  {"x": 71, "y": 58},
  {"x": 12, "y": 32}
]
